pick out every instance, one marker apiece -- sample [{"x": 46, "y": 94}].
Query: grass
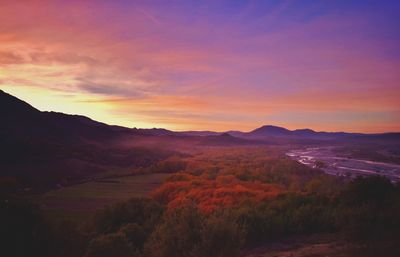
[{"x": 83, "y": 199}]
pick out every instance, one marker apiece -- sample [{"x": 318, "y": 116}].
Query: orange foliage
[
  {"x": 211, "y": 194},
  {"x": 216, "y": 178}
]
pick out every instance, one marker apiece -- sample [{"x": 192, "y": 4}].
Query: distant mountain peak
[
  {"x": 155, "y": 131},
  {"x": 226, "y": 135},
  {"x": 272, "y": 127},
  {"x": 305, "y": 130},
  {"x": 270, "y": 130}
]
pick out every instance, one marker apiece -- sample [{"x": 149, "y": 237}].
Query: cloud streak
[{"x": 216, "y": 65}]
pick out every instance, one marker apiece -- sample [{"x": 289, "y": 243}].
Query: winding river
[{"x": 330, "y": 163}]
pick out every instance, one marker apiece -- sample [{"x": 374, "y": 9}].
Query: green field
[{"x": 90, "y": 196}]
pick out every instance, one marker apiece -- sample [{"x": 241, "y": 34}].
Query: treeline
[
  {"x": 388, "y": 153},
  {"x": 230, "y": 179},
  {"x": 365, "y": 211}
]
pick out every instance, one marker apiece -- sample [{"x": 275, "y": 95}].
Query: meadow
[{"x": 90, "y": 196}]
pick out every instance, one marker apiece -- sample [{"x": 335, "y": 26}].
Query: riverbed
[{"x": 328, "y": 161}]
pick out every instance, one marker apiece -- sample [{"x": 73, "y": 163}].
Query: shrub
[
  {"x": 187, "y": 232},
  {"x": 137, "y": 210},
  {"x": 110, "y": 245}
]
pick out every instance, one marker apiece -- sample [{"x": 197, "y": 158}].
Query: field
[{"x": 90, "y": 196}]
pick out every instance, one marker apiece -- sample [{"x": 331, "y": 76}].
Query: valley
[
  {"x": 328, "y": 160},
  {"x": 78, "y": 187}
]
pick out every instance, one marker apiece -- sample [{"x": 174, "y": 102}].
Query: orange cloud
[{"x": 140, "y": 65}]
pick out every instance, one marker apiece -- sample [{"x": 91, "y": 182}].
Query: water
[{"x": 341, "y": 166}]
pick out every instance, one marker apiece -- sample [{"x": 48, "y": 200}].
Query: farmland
[{"x": 89, "y": 196}]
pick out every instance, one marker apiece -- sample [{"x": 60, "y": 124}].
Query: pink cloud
[{"x": 237, "y": 70}]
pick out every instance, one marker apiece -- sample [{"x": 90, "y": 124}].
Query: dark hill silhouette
[
  {"x": 23, "y": 122},
  {"x": 44, "y": 148},
  {"x": 155, "y": 132},
  {"x": 200, "y": 133},
  {"x": 304, "y": 132},
  {"x": 41, "y": 149},
  {"x": 227, "y": 139},
  {"x": 269, "y": 130}
]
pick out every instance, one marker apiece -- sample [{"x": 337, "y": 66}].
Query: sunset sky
[{"x": 207, "y": 65}]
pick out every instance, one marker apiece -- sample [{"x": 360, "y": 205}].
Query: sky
[{"x": 207, "y": 65}]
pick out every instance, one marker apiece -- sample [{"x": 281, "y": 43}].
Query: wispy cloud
[
  {"x": 149, "y": 16},
  {"x": 206, "y": 65}
]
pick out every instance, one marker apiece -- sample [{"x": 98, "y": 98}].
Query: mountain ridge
[
  {"x": 47, "y": 148},
  {"x": 8, "y": 102}
]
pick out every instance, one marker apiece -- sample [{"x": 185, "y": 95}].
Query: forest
[{"x": 218, "y": 202}]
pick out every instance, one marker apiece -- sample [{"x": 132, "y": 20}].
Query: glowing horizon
[{"x": 207, "y": 65}]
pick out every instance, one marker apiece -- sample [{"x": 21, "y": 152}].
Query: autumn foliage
[
  {"x": 220, "y": 178},
  {"x": 210, "y": 194}
]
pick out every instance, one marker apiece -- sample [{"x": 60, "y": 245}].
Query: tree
[
  {"x": 110, "y": 245},
  {"x": 142, "y": 211},
  {"x": 187, "y": 232},
  {"x": 178, "y": 235},
  {"x": 23, "y": 231},
  {"x": 220, "y": 237}
]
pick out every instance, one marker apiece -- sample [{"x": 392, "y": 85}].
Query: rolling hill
[{"x": 38, "y": 149}]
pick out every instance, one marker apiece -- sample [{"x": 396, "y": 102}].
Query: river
[{"x": 332, "y": 164}]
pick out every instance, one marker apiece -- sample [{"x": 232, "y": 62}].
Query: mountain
[
  {"x": 305, "y": 136},
  {"x": 41, "y": 149},
  {"x": 155, "y": 132},
  {"x": 269, "y": 130},
  {"x": 22, "y": 122},
  {"x": 304, "y": 132},
  {"x": 199, "y": 133},
  {"x": 225, "y": 139}
]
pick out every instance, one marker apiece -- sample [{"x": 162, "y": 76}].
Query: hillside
[{"x": 42, "y": 149}]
